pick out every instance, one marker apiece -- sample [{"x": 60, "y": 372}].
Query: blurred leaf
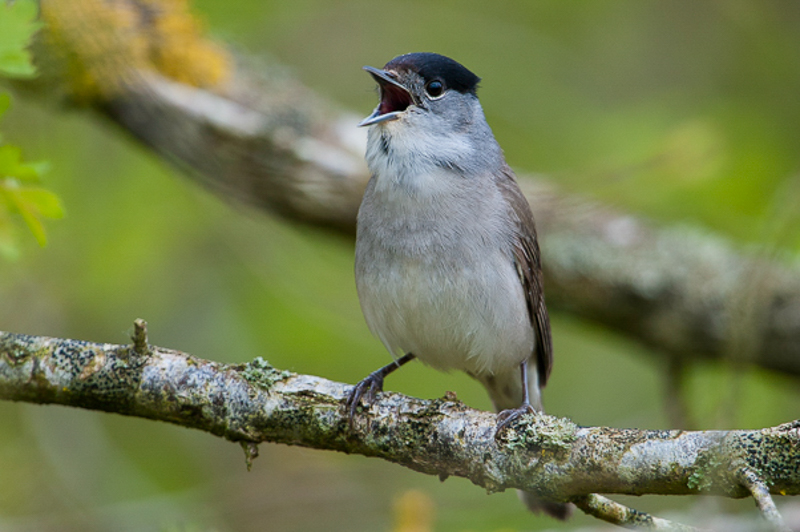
[
  {"x": 11, "y": 165},
  {"x": 17, "y": 196},
  {"x": 17, "y": 25},
  {"x": 32, "y": 204},
  {"x": 42, "y": 201},
  {"x": 35, "y": 225}
]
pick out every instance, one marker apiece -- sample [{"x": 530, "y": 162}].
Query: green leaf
[
  {"x": 16, "y": 64},
  {"x": 17, "y": 25},
  {"x": 35, "y": 225},
  {"x": 42, "y": 201},
  {"x": 28, "y": 212},
  {"x": 32, "y": 203},
  {"x": 11, "y": 165}
]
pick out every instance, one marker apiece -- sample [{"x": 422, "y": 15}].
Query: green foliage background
[
  {"x": 686, "y": 112},
  {"x": 19, "y": 190}
]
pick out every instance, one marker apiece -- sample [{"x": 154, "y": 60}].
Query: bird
[{"x": 447, "y": 262}]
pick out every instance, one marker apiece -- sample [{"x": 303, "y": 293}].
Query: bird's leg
[
  {"x": 506, "y": 417},
  {"x": 371, "y": 385}
]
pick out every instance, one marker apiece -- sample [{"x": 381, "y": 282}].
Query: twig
[
  {"x": 139, "y": 337},
  {"x": 621, "y": 515},
  {"x": 764, "y": 501}
]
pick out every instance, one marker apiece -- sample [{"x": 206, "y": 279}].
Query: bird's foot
[
  {"x": 369, "y": 387},
  {"x": 506, "y": 417},
  {"x": 365, "y": 390}
]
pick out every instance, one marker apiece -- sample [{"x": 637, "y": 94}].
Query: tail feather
[
  {"x": 505, "y": 391},
  {"x": 557, "y": 510}
]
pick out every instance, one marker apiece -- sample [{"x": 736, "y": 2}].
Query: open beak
[{"x": 394, "y": 98}]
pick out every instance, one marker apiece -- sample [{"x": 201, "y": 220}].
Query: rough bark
[{"x": 255, "y": 402}]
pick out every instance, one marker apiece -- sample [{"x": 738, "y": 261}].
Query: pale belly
[{"x": 469, "y": 315}]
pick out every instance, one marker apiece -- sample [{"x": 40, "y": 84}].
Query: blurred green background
[{"x": 685, "y": 112}]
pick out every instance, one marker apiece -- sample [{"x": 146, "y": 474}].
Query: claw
[
  {"x": 367, "y": 390},
  {"x": 507, "y": 417}
]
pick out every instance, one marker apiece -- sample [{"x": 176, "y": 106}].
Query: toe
[
  {"x": 365, "y": 391},
  {"x": 506, "y": 417}
]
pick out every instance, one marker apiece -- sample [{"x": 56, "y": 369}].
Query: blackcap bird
[{"x": 447, "y": 263}]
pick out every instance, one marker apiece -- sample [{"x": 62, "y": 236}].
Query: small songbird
[{"x": 447, "y": 263}]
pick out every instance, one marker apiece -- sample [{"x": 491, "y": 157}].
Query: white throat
[{"x": 408, "y": 156}]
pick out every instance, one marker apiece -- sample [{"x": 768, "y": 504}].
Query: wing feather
[{"x": 528, "y": 264}]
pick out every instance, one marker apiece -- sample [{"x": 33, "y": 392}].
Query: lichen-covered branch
[
  {"x": 620, "y": 515},
  {"x": 255, "y": 134},
  {"x": 760, "y": 492},
  {"x": 254, "y": 402}
]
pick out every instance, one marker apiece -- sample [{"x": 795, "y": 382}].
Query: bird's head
[{"x": 422, "y": 87}]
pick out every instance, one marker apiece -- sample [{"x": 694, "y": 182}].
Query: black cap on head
[{"x": 434, "y": 66}]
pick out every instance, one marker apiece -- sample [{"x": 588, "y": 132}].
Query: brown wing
[{"x": 529, "y": 268}]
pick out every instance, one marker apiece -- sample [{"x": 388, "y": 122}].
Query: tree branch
[
  {"x": 620, "y": 515},
  {"x": 254, "y": 402},
  {"x": 258, "y": 136},
  {"x": 761, "y": 494}
]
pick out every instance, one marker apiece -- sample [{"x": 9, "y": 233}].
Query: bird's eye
[{"x": 434, "y": 88}]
